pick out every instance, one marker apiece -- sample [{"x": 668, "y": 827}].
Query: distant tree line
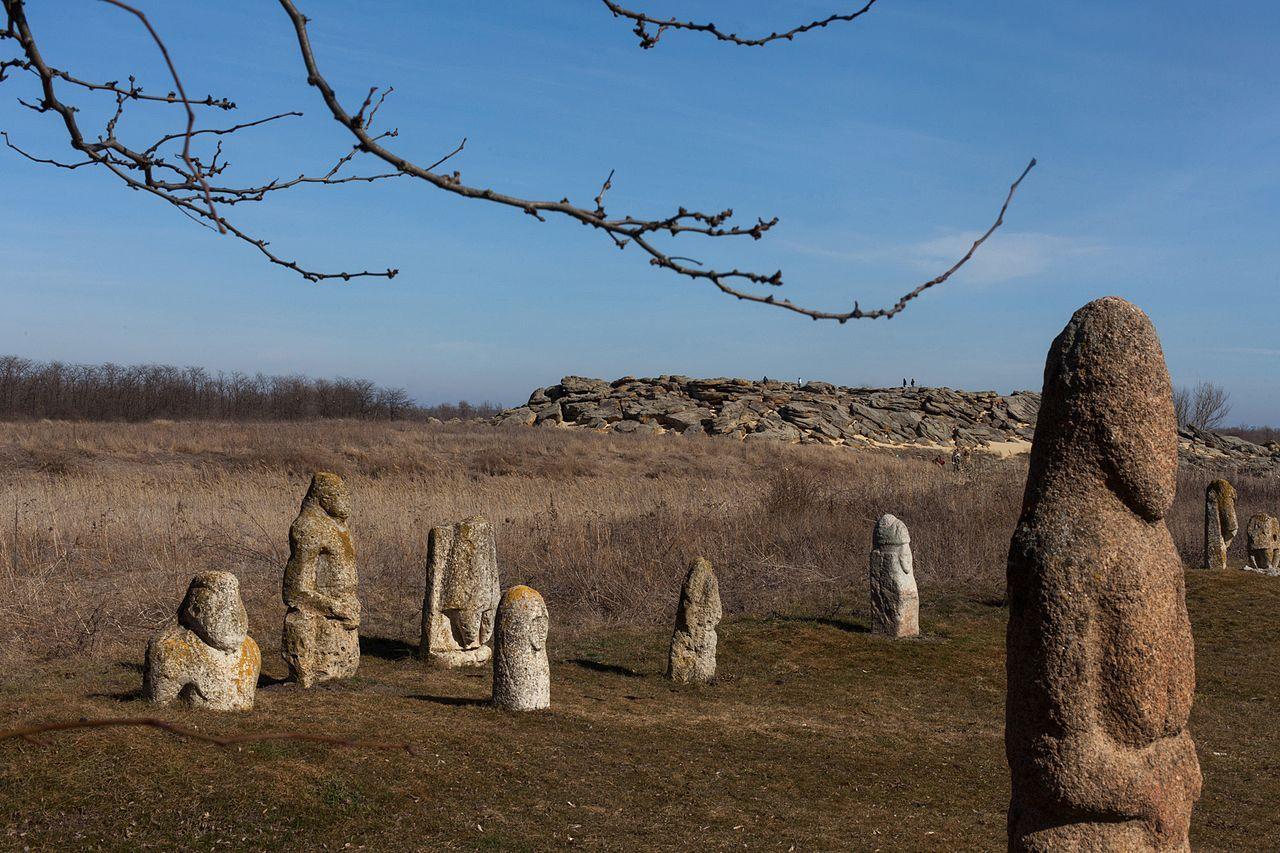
[{"x": 111, "y": 392}]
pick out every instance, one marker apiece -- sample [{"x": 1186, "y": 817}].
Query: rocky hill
[{"x": 819, "y": 412}]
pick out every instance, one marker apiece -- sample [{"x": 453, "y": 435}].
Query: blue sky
[{"x": 883, "y": 145}]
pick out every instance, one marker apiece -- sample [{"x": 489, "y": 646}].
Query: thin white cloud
[
  {"x": 1266, "y": 351},
  {"x": 1007, "y": 256}
]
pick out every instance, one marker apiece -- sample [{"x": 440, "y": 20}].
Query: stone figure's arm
[
  {"x": 1227, "y": 515},
  {"x": 299, "y": 585},
  {"x": 345, "y": 609},
  {"x": 158, "y": 684}
]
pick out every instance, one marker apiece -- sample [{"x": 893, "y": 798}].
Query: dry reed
[{"x": 104, "y": 524}]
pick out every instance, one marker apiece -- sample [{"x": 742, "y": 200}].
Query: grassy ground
[{"x": 819, "y": 737}]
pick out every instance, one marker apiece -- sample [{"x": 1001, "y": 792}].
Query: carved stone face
[
  {"x": 523, "y": 618},
  {"x": 213, "y": 610},
  {"x": 1108, "y": 397},
  {"x": 331, "y": 494}
]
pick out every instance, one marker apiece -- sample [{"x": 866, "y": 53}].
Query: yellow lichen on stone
[{"x": 521, "y": 593}]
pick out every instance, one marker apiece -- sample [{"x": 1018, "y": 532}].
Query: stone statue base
[{"x": 318, "y": 649}]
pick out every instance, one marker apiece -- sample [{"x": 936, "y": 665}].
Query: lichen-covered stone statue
[
  {"x": 1100, "y": 664},
  {"x": 521, "y": 672},
  {"x": 895, "y": 599},
  {"x": 462, "y": 594},
  {"x": 1264, "y": 544},
  {"x": 1220, "y": 524},
  {"x": 206, "y": 660},
  {"x": 321, "y": 639},
  {"x": 692, "y": 659}
]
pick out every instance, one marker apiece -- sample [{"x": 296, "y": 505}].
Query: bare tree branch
[
  {"x": 649, "y": 39},
  {"x": 32, "y": 733},
  {"x": 183, "y": 183},
  {"x": 186, "y": 105},
  {"x": 626, "y": 229},
  {"x": 186, "y": 182}
]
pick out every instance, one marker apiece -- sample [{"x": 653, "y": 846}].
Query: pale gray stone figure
[
  {"x": 462, "y": 594},
  {"x": 693, "y": 644},
  {"x": 1264, "y": 544},
  {"x": 895, "y": 599},
  {"x": 521, "y": 672},
  {"x": 206, "y": 660}
]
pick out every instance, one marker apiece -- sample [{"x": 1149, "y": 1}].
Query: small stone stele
[
  {"x": 1220, "y": 523},
  {"x": 1099, "y": 660},
  {"x": 461, "y": 595},
  {"x": 895, "y": 598},
  {"x": 1264, "y": 544},
  {"x": 521, "y": 672},
  {"x": 692, "y": 659},
  {"x": 206, "y": 660},
  {"x": 321, "y": 639}
]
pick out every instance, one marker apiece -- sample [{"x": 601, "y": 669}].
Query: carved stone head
[
  {"x": 330, "y": 493},
  {"x": 1107, "y": 409},
  {"x": 213, "y": 610}
]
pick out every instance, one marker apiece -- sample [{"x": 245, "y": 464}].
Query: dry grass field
[{"x": 819, "y": 736}]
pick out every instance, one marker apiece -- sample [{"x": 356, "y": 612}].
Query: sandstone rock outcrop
[
  {"x": 1264, "y": 544},
  {"x": 206, "y": 660},
  {"x": 462, "y": 594},
  {"x": 321, "y": 639},
  {"x": 521, "y": 671},
  {"x": 1100, "y": 661},
  {"x": 1220, "y": 523},
  {"x": 692, "y": 659},
  {"x": 895, "y": 598},
  {"x": 822, "y": 413}
]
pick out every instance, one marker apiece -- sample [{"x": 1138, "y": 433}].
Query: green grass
[{"x": 818, "y": 737}]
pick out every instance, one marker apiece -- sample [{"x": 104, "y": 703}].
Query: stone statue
[
  {"x": 1219, "y": 523},
  {"x": 321, "y": 638},
  {"x": 521, "y": 673},
  {"x": 1264, "y": 544},
  {"x": 1100, "y": 662},
  {"x": 693, "y": 644},
  {"x": 206, "y": 660},
  {"x": 895, "y": 599},
  {"x": 462, "y": 594}
]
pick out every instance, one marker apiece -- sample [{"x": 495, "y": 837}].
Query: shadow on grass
[
  {"x": 386, "y": 648},
  {"x": 843, "y": 625},
  {"x": 607, "y": 668},
  {"x": 453, "y": 701},
  {"x": 121, "y": 696},
  {"x": 837, "y": 622}
]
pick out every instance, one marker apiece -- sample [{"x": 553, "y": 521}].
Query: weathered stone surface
[
  {"x": 462, "y": 594},
  {"x": 206, "y": 660},
  {"x": 521, "y": 672},
  {"x": 692, "y": 659},
  {"x": 895, "y": 599},
  {"x": 321, "y": 639},
  {"x": 1220, "y": 523},
  {"x": 1100, "y": 662},
  {"x": 1264, "y": 544}
]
